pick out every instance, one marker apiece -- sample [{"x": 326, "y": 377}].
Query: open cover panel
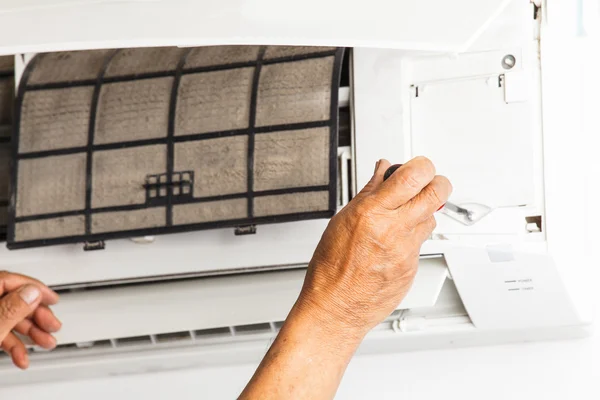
[
  {"x": 132, "y": 142},
  {"x": 58, "y": 25}
]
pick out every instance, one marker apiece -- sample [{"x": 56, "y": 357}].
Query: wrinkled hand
[
  {"x": 24, "y": 309},
  {"x": 368, "y": 256}
]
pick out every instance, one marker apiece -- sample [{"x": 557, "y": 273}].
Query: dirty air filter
[
  {"x": 7, "y": 94},
  {"x": 130, "y": 142}
]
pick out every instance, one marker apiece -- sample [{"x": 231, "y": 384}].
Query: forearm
[{"x": 306, "y": 361}]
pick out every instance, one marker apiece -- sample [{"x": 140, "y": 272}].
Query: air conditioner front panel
[{"x": 435, "y": 25}]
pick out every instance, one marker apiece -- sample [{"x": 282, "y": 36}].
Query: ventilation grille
[
  {"x": 221, "y": 335},
  {"x": 400, "y": 321},
  {"x": 229, "y": 334}
]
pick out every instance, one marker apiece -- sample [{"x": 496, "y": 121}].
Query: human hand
[
  {"x": 360, "y": 272},
  {"x": 24, "y": 309},
  {"x": 368, "y": 256}
]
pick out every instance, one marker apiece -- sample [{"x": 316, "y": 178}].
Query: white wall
[{"x": 560, "y": 370}]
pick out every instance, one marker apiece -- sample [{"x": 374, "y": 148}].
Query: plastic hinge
[
  {"x": 245, "y": 230},
  {"x": 90, "y": 246}
]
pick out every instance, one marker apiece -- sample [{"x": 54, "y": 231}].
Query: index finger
[
  {"x": 427, "y": 202},
  {"x": 10, "y": 281},
  {"x": 405, "y": 183}
]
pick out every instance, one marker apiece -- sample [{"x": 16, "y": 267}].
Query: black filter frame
[
  {"x": 170, "y": 140},
  {"x": 6, "y": 75}
]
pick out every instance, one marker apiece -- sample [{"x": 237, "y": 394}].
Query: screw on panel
[{"x": 509, "y": 61}]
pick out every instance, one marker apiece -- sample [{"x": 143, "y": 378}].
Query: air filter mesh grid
[{"x": 129, "y": 142}]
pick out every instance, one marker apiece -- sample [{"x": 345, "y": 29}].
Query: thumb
[{"x": 16, "y": 306}]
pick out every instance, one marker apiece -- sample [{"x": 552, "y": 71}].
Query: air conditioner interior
[
  {"x": 338, "y": 189},
  {"x": 406, "y": 89},
  {"x": 92, "y": 279},
  {"x": 213, "y": 250}
]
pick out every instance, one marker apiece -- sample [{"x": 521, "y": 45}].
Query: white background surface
[
  {"x": 557, "y": 370},
  {"x": 534, "y": 371}
]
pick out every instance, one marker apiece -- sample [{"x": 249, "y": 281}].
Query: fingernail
[
  {"x": 56, "y": 296},
  {"x": 376, "y": 166},
  {"x": 56, "y": 326},
  {"x": 24, "y": 363},
  {"x": 29, "y": 294}
]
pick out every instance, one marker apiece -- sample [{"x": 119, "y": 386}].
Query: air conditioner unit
[{"x": 458, "y": 81}]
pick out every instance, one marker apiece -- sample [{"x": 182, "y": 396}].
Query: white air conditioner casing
[{"x": 431, "y": 80}]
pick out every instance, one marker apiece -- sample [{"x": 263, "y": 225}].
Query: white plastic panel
[
  {"x": 433, "y": 25},
  {"x": 514, "y": 24},
  {"x": 378, "y": 109},
  {"x": 382, "y": 82},
  {"x": 46, "y": 368},
  {"x": 472, "y": 64},
  {"x": 481, "y": 143},
  {"x": 218, "y": 249},
  {"x": 8, "y": 6},
  {"x": 510, "y": 290},
  {"x": 204, "y": 303}
]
